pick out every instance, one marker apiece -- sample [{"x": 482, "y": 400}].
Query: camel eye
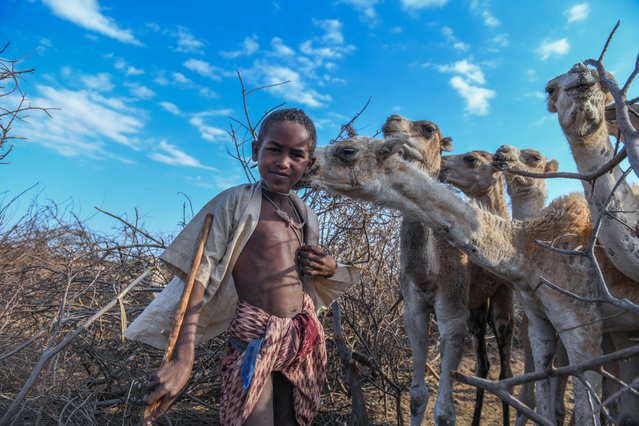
[
  {"x": 550, "y": 90},
  {"x": 348, "y": 153},
  {"x": 470, "y": 160},
  {"x": 535, "y": 159},
  {"x": 428, "y": 129}
]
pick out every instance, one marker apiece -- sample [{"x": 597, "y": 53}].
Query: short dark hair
[{"x": 289, "y": 114}]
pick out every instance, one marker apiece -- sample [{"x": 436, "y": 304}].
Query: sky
[{"x": 143, "y": 94}]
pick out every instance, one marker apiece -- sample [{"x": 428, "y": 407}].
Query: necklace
[
  {"x": 297, "y": 226},
  {"x": 284, "y": 194}
]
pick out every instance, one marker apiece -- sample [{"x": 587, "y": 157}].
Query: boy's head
[
  {"x": 284, "y": 148},
  {"x": 293, "y": 115}
]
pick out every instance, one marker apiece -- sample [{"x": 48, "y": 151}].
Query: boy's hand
[
  {"x": 316, "y": 262},
  {"x": 166, "y": 383}
]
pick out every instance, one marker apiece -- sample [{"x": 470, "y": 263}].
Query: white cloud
[
  {"x": 365, "y": 8},
  {"x": 476, "y": 97},
  {"x": 186, "y": 42},
  {"x": 87, "y": 14},
  {"x": 468, "y": 83},
  {"x": 122, "y": 65},
  {"x": 180, "y": 78},
  {"x": 207, "y": 131},
  {"x": 171, "y": 155},
  {"x": 557, "y": 47},
  {"x": 204, "y": 69},
  {"x": 140, "y": 91},
  {"x": 482, "y": 8},
  {"x": 468, "y": 70},
  {"x": 498, "y": 42},
  {"x": 207, "y": 93},
  {"x": 422, "y": 4},
  {"x": 249, "y": 47},
  {"x": 296, "y": 90},
  {"x": 170, "y": 107},
  {"x": 453, "y": 41},
  {"x": 280, "y": 48},
  {"x": 330, "y": 45},
  {"x": 84, "y": 124},
  {"x": 101, "y": 82},
  {"x": 578, "y": 12}
]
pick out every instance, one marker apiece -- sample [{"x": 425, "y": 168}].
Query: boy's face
[{"x": 283, "y": 156}]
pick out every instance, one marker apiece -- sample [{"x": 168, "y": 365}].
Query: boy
[{"x": 262, "y": 276}]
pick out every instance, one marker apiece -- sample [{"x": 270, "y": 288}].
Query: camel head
[
  {"x": 357, "y": 167},
  {"x": 423, "y": 141},
  {"x": 530, "y": 160},
  {"x": 474, "y": 172},
  {"x": 579, "y": 99}
]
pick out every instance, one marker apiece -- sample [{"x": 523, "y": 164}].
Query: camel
[
  {"x": 476, "y": 176},
  {"x": 434, "y": 278},
  {"x": 579, "y": 99},
  {"x": 367, "y": 169},
  {"x": 527, "y": 198},
  {"x": 587, "y": 118}
]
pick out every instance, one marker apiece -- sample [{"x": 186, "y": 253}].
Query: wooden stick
[{"x": 152, "y": 412}]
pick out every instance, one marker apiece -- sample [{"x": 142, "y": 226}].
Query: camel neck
[{"x": 494, "y": 199}]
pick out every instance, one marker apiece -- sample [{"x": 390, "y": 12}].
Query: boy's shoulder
[{"x": 233, "y": 194}]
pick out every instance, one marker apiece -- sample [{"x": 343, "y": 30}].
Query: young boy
[{"x": 262, "y": 276}]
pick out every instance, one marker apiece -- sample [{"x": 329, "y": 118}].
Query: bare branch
[
  {"x": 603, "y": 52},
  {"x": 588, "y": 177}
]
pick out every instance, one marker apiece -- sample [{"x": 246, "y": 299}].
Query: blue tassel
[{"x": 247, "y": 368}]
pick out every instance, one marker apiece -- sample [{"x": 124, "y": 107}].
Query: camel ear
[
  {"x": 391, "y": 147},
  {"x": 552, "y": 166},
  {"x": 446, "y": 144}
]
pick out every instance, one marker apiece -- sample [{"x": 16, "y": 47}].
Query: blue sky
[{"x": 145, "y": 90}]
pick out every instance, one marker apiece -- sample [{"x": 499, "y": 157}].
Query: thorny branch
[
  {"x": 589, "y": 252},
  {"x": 10, "y": 85},
  {"x": 630, "y": 133},
  {"x": 501, "y": 387}
]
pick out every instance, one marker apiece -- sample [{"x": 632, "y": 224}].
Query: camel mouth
[
  {"x": 582, "y": 83},
  {"x": 502, "y": 161}
]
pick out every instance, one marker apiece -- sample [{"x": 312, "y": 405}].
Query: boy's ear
[{"x": 254, "y": 150}]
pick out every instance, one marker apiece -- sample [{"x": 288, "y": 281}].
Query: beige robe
[{"x": 236, "y": 212}]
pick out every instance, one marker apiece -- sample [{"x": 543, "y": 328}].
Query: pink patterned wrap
[{"x": 294, "y": 346}]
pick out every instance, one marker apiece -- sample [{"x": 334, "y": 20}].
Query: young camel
[
  {"x": 435, "y": 278},
  {"x": 528, "y": 198},
  {"x": 365, "y": 169},
  {"x": 476, "y": 176},
  {"x": 579, "y": 99}
]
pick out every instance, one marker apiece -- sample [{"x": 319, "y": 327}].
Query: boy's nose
[{"x": 284, "y": 162}]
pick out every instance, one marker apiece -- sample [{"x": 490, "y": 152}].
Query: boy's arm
[{"x": 168, "y": 381}]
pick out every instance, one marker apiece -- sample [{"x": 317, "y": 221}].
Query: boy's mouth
[{"x": 280, "y": 174}]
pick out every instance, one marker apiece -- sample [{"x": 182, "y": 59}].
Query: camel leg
[
  {"x": 628, "y": 404},
  {"x": 582, "y": 344},
  {"x": 477, "y": 325},
  {"x": 451, "y": 322},
  {"x": 542, "y": 341},
  {"x": 502, "y": 319},
  {"x": 417, "y": 323},
  {"x": 527, "y": 392},
  {"x": 608, "y": 387},
  {"x": 561, "y": 360}
]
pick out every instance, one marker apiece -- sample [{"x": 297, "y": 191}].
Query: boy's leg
[
  {"x": 283, "y": 406},
  {"x": 262, "y": 413}
]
